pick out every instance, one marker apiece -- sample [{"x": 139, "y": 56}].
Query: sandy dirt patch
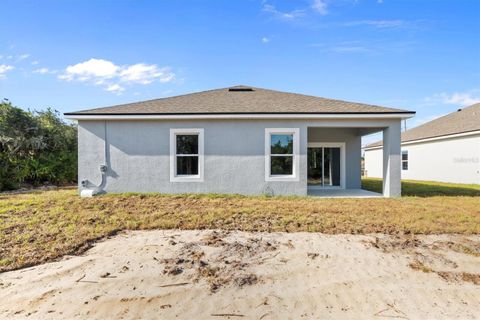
[{"x": 239, "y": 275}]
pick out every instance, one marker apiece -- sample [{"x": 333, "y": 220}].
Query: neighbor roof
[
  {"x": 240, "y": 100},
  {"x": 461, "y": 121}
]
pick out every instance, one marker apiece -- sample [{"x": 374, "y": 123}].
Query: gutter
[{"x": 153, "y": 116}]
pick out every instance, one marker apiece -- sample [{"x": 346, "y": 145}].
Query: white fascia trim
[
  {"x": 173, "y": 161},
  {"x": 242, "y": 116},
  {"x": 296, "y": 154},
  {"x": 450, "y": 136}
]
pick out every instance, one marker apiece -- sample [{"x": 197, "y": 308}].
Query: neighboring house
[
  {"x": 241, "y": 140},
  {"x": 446, "y": 149}
]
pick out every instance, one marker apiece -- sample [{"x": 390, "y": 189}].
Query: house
[
  {"x": 238, "y": 140},
  {"x": 446, "y": 149}
]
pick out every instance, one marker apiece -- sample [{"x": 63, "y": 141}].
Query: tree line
[{"x": 36, "y": 147}]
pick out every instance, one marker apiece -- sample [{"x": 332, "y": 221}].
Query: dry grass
[
  {"x": 43, "y": 226},
  {"x": 417, "y": 265}
]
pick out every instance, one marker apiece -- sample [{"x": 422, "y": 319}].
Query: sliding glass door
[{"x": 324, "y": 166}]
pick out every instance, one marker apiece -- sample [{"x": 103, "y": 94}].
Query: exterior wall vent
[{"x": 240, "y": 89}]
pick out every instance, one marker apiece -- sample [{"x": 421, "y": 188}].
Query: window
[
  {"x": 186, "y": 155},
  {"x": 281, "y": 153},
  {"x": 404, "y": 159}
]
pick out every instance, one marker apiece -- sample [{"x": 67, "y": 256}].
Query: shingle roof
[
  {"x": 239, "y": 100},
  {"x": 461, "y": 121}
]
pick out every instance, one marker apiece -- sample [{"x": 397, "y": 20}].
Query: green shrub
[{"x": 36, "y": 147}]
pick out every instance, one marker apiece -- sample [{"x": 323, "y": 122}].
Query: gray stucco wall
[{"x": 138, "y": 154}]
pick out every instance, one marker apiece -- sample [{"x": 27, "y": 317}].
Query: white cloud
[
  {"x": 42, "y": 70},
  {"x": 109, "y": 75},
  {"x": 381, "y": 24},
  {"x": 389, "y": 24},
  {"x": 458, "y": 98},
  {"x": 265, "y": 40},
  {"x": 463, "y": 99},
  {"x": 316, "y": 6},
  {"x": 93, "y": 69},
  {"x": 320, "y": 6},
  {"x": 4, "y": 68},
  {"x": 344, "y": 47},
  {"x": 366, "y": 47},
  {"x": 23, "y": 57},
  {"x": 35, "y": 62},
  {"x": 291, "y": 15},
  {"x": 349, "y": 49},
  {"x": 145, "y": 74},
  {"x": 116, "y": 88}
]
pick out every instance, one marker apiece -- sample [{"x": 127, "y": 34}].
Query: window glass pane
[
  {"x": 335, "y": 166},
  {"x": 187, "y": 165},
  {"x": 404, "y": 165},
  {"x": 281, "y": 165},
  {"x": 331, "y": 166},
  {"x": 281, "y": 144},
  {"x": 327, "y": 166},
  {"x": 404, "y": 155},
  {"x": 187, "y": 144},
  {"x": 315, "y": 169}
]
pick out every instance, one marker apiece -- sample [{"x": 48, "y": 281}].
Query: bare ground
[
  {"x": 232, "y": 274},
  {"x": 44, "y": 226}
]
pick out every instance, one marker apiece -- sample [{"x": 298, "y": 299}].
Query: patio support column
[{"x": 391, "y": 160}]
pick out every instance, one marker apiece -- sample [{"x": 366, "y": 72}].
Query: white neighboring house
[{"x": 446, "y": 149}]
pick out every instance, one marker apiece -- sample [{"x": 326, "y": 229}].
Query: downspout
[{"x": 86, "y": 185}]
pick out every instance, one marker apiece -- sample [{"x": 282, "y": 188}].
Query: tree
[{"x": 35, "y": 147}]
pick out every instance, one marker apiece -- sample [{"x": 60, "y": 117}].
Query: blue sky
[{"x": 71, "y": 55}]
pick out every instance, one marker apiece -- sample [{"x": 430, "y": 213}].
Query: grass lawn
[
  {"x": 42, "y": 226},
  {"x": 426, "y": 188}
]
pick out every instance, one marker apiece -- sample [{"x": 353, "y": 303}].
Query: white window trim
[
  {"x": 296, "y": 154},
  {"x": 343, "y": 177},
  {"x": 173, "y": 155}
]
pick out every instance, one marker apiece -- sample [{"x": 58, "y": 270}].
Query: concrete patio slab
[{"x": 343, "y": 193}]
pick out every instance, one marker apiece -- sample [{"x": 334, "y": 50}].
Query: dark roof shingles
[
  {"x": 463, "y": 120},
  {"x": 223, "y": 101}
]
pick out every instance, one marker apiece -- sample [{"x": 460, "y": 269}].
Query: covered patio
[{"x": 334, "y": 158}]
